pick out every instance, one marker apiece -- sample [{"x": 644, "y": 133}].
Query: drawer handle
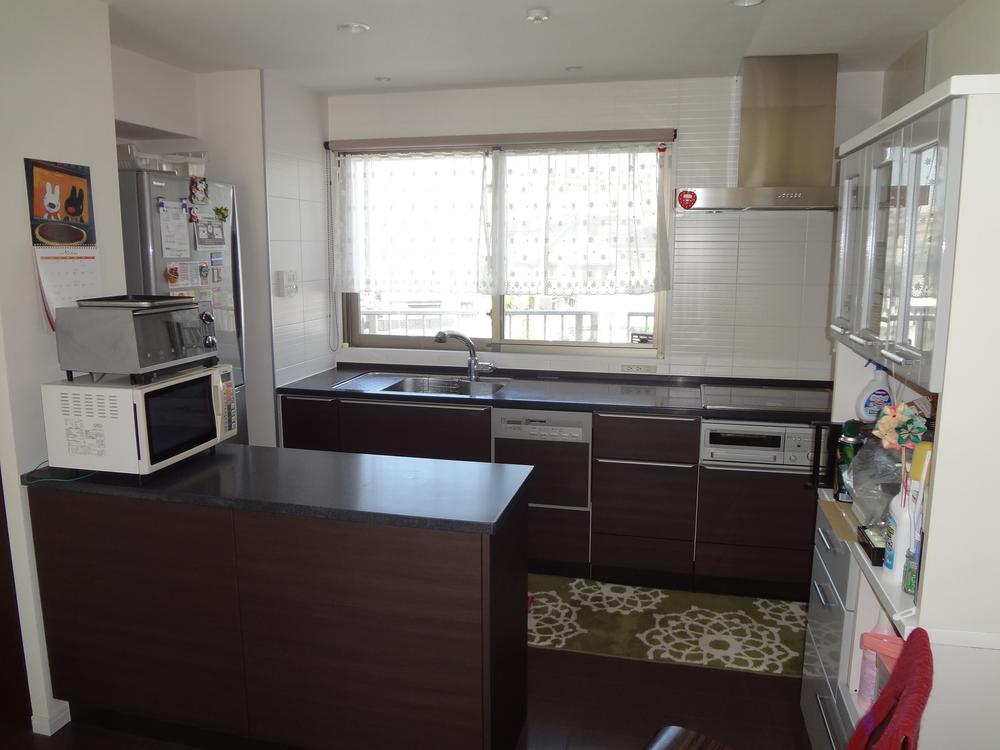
[
  {"x": 826, "y": 722},
  {"x": 819, "y": 592},
  {"x": 410, "y": 405},
  {"x": 893, "y": 356},
  {"x": 857, "y": 339},
  {"x": 647, "y": 416},
  {"x": 644, "y": 463},
  {"x": 838, "y": 329},
  {"x": 822, "y": 536}
]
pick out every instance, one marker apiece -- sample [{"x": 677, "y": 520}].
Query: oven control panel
[{"x": 798, "y": 446}]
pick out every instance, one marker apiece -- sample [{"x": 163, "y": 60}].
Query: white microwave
[{"x": 113, "y": 425}]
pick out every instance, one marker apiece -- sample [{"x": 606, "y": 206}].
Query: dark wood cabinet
[
  {"x": 311, "y": 423},
  {"x": 646, "y": 437},
  {"x": 755, "y": 532},
  {"x": 642, "y": 561},
  {"x": 558, "y": 540},
  {"x": 561, "y": 470},
  {"x": 644, "y": 497},
  {"x": 422, "y": 430},
  {"x": 15, "y": 704},
  {"x": 633, "y": 498},
  {"x": 370, "y": 636},
  {"x": 141, "y": 607},
  {"x": 757, "y": 508},
  {"x": 753, "y": 571}
]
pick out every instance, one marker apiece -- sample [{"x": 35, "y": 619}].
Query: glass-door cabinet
[
  {"x": 850, "y": 244},
  {"x": 925, "y": 278},
  {"x": 895, "y": 254}
]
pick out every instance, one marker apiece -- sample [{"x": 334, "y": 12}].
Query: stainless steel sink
[{"x": 441, "y": 385}]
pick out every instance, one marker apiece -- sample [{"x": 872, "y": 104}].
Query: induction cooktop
[{"x": 765, "y": 398}]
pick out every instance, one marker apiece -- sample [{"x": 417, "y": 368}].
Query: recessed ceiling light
[
  {"x": 746, "y": 3},
  {"x": 383, "y": 79},
  {"x": 353, "y": 28},
  {"x": 574, "y": 67},
  {"x": 538, "y": 15}
]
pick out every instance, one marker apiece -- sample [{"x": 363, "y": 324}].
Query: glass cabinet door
[
  {"x": 850, "y": 247},
  {"x": 880, "y": 218},
  {"x": 891, "y": 300},
  {"x": 922, "y": 275}
]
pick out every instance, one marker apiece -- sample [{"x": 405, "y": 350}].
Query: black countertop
[
  {"x": 680, "y": 396},
  {"x": 424, "y": 493}
]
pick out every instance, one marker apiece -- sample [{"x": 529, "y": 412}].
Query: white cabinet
[{"x": 895, "y": 251}]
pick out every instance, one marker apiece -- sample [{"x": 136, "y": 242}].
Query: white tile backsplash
[
  {"x": 313, "y": 221},
  {"x": 768, "y": 304},
  {"x": 283, "y": 219},
  {"x": 282, "y": 176},
  {"x": 286, "y": 255},
  {"x": 285, "y": 311},
  {"x": 315, "y": 299},
  {"x": 312, "y": 180},
  {"x": 750, "y": 294},
  {"x": 315, "y": 262}
]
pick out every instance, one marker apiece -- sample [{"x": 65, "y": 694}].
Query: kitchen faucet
[{"x": 475, "y": 366}]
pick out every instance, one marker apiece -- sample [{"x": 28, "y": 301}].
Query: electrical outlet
[{"x": 640, "y": 369}]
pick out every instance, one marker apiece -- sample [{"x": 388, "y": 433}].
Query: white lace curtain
[{"x": 554, "y": 221}]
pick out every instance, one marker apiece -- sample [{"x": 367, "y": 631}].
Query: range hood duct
[{"x": 787, "y": 114}]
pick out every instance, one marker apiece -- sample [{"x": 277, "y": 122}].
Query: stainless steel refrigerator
[{"x": 168, "y": 253}]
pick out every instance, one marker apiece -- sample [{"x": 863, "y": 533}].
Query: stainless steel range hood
[{"x": 787, "y": 112}]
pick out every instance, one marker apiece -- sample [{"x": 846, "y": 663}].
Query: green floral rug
[{"x": 681, "y": 627}]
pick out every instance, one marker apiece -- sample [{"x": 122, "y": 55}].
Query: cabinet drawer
[
  {"x": 836, "y": 557},
  {"x": 756, "y": 508},
  {"x": 644, "y": 499},
  {"x": 753, "y": 571},
  {"x": 561, "y": 536},
  {"x": 644, "y": 437},
  {"x": 643, "y": 554},
  {"x": 826, "y": 620},
  {"x": 310, "y": 423},
  {"x": 826, "y": 729},
  {"x": 560, "y": 473},
  {"x": 422, "y": 430}
]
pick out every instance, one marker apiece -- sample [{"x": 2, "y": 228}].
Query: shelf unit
[{"x": 958, "y": 570}]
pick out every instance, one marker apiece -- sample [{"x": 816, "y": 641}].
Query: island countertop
[{"x": 459, "y": 496}]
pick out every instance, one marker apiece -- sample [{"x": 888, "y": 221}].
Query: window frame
[{"x": 350, "y": 301}]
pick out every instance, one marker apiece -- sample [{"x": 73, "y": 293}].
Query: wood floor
[{"x": 575, "y": 702}]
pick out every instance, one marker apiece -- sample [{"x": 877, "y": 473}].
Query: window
[{"x": 513, "y": 246}]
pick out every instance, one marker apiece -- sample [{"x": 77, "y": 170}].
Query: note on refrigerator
[{"x": 175, "y": 232}]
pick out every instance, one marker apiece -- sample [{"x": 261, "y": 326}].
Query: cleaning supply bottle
[
  {"x": 875, "y": 396},
  {"x": 897, "y": 534}
]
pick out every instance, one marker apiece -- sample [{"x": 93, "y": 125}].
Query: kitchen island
[{"x": 300, "y": 597}]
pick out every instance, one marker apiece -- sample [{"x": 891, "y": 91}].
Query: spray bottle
[{"x": 875, "y": 396}]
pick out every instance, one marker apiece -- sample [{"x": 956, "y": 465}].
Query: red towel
[{"x": 893, "y": 723}]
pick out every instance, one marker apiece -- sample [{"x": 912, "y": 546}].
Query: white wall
[
  {"x": 966, "y": 41},
  {"x": 153, "y": 94},
  {"x": 859, "y": 103},
  {"x": 230, "y": 126},
  {"x": 55, "y": 85},
  {"x": 704, "y": 110},
  {"x": 295, "y": 125}
]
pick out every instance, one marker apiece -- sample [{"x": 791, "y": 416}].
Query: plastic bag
[{"x": 872, "y": 479}]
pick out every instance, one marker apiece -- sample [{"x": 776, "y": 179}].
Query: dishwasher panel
[{"x": 557, "y": 444}]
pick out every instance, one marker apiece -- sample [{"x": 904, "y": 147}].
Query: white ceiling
[{"x": 426, "y": 44}]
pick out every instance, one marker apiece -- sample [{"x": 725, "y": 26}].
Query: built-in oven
[{"x": 786, "y": 447}]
